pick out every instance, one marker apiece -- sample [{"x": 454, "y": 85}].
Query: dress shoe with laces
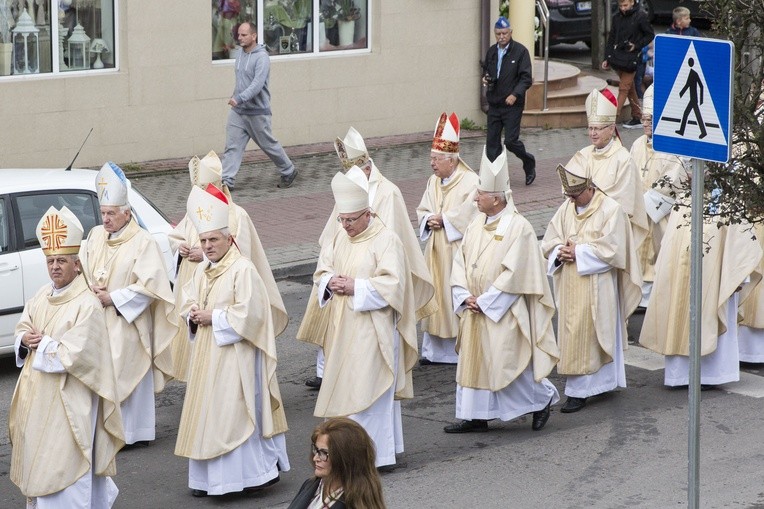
[
  {"x": 472, "y": 426},
  {"x": 540, "y": 417},
  {"x": 530, "y": 177},
  {"x": 314, "y": 383},
  {"x": 573, "y": 405}
]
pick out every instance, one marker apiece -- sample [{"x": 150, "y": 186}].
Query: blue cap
[{"x": 502, "y": 22}]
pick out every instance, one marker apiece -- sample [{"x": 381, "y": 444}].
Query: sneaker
[
  {"x": 634, "y": 123},
  {"x": 288, "y": 180}
]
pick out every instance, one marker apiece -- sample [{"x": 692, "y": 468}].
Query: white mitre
[
  {"x": 59, "y": 232},
  {"x": 351, "y": 150},
  {"x": 494, "y": 176},
  {"x": 349, "y": 195},
  {"x": 111, "y": 185},
  {"x": 207, "y": 209},
  {"x": 208, "y": 170}
]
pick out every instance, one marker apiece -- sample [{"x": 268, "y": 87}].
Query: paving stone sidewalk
[{"x": 289, "y": 221}]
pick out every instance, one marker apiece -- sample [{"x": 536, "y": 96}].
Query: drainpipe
[{"x": 485, "y": 43}]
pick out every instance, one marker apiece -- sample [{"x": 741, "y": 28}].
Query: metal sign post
[{"x": 696, "y": 289}]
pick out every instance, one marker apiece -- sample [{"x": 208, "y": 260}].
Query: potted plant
[
  {"x": 348, "y": 13},
  {"x": 6, "y": 38},
  {"x": 327, "y": 28}
]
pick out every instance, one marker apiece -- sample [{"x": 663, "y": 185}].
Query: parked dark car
[
  {"x": 661, "y": 10},
  {"x": 570, "y": 21}
]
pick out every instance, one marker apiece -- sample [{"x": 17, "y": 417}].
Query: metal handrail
[{"x": 543, "y": 12}]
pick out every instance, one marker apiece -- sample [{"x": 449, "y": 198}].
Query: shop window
[
  {"x": 288, "y": 27},
  {"x": 56, "y": 36}
]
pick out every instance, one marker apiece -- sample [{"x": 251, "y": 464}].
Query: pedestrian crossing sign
[{"x": 692, "y": 113}]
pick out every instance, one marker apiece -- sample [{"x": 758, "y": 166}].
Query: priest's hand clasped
[
  {"x": 342, "y": 285},
  {"x": 200, "y": 316},
  {"x": 32, "y": 338},
  {"x": 435, "y": 222},
  {"x": 472, "y": 305},
  {"x": 103, "y": 295},
  {"x": 567, "y": 252},
  {"x": 194, "y": 254}
]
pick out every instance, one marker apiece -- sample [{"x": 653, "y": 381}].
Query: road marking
[{"x": 749, "y": 385}]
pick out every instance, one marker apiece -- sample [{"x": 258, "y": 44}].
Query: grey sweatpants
[{"x": 239, "y": 130}]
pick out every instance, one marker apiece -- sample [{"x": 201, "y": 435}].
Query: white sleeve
[
  {"x": 366, "y": 298},
  {"x": 424, "y": 232},
  {"x": 16, "y": 346},
  {"x": 452, "y": 234},
  {"x": 458, "y": 295},
  {"x": 587, "y": 262},
  {"x": 47, "y": 359},
  {"x": 552, "y": 264},
  {"x": 324, "y": 293},
  {"x": 130, "y": 304},
  {"x": 496, "y": 303},
  {"x": 222, "y": 330},
  {"x": 657, "y": 205}
]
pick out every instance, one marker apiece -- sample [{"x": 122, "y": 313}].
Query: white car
[{"x": 25, "y": 195}]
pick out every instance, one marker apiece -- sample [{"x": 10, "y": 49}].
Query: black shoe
[
  {"x": 386, "y": 469},
  {"x": 634, "y": 123},
  {"x": 135, "y": 445},
  {"x": 288, "y": 180},
  {"x": 530, "y": 177},
  {"x": 425, "y": 362},
  {"x": 198, "y": 493},
  {"x": 573, "y": 405},
  {"x": 264, "y": 485},
  {"x": 540, "y": 417},
  {"x": 314, "y": 383},
  {"x": 707, "y": 387},
  {"x": 475, "y": 425}
]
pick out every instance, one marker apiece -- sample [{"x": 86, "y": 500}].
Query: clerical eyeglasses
[
  {"x": 349, "y": 220},
  {"x": 322, "y": 454}
]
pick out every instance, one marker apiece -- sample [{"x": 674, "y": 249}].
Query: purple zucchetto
[{"x": 502, "y": 22}]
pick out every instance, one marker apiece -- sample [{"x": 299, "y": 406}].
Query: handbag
[{"x": 622, "y": 60}]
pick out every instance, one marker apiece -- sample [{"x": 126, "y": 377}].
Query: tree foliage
[{"x": 741, "y": 181}]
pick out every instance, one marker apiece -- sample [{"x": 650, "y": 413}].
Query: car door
[{"x": 12, "y": 294}]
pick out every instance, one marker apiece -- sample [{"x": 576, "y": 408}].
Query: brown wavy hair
[{"x": 352, "y": 455}]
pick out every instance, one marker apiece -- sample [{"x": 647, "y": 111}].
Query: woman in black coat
[{"x": 341, "y": 450}]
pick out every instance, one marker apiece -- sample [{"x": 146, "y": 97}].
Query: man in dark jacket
[
  {"x": 630, "y": 32},
  {"x": 506, "y": 76}
]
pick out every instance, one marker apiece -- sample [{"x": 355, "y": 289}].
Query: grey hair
[{"x": 125, "y": 208}]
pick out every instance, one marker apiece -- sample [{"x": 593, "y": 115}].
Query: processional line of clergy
[{"x": 479, "y": 290}]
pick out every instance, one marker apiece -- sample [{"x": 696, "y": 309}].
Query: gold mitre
[
  {"x": 207, "y": 209},
  {"x": 494, "y": 176},
  {"x": 601, "y": 107},
  {"x": 647, "y": 101},
  {"x": 445, "y": 140},
  {"x": 208, "y": 170},
  {"x": 59, "y": 232},
  {"x": 574, "y": 176},
  {"x": 352, "y": 150},
  {"x": 111, "y": 185},
  {"x": 348, "y": 194}
]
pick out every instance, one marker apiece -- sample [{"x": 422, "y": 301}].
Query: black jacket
[
  {"x": 305, "y": 495},
  {"x": 515, "y": 76},
  {"x": 631, "y": 27}
]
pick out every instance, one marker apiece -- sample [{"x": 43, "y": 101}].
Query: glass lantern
[
  {"x": 79, "y": 49},
  {"x": 26, "y": 46}
]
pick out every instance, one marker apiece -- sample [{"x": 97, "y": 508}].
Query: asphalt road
[{"x": 625, "y": 449}]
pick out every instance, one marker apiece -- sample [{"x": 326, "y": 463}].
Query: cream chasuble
[
  {"x": 493, "y": 354},
  {"x": 587, "y": 323},
  {"x": 359, "y": 345},
  {"x": 654, "y": 166},
  {"x": 614, "y": 173},
  {"x": 752, "y": 310},
  {"x": 730, "y": 256},
  {"x": 389, "y": 208},
  {"x": 219, "y": 411},
  {"x": 133, "y": 261},
  {"x": 50, "y": 421},
  {"x": 248, "y": 242},
  {"x": 455, "y": 201}
]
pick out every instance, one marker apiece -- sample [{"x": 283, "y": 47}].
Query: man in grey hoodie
[{"x": 250, "y": 115}]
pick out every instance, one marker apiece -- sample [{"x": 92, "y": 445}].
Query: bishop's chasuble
[
  {"x": 52, "y": 414},
  {"x": 589, "y": 305},
  {"x": 455, "y": 201},
  {"x": 493, "y": 354},
  {"x": 219, "y": 410},
  {"x": 248, "y": 241},
  {"x": 613, "y": 172},
  {"x": 359, "y": 346},
  {"x": 751, "y": 327}
]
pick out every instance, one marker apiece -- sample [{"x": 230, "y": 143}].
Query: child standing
[{"x": 681, "y": 24}]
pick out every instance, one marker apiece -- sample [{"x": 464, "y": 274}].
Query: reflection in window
[
  {"x": 4, "y": 237},
  {"x": 226, "y": 17},
  {"x": 288, "y": 26},
  {"x": 32, "y": 207},
  {"x": 75, "y": 35}
]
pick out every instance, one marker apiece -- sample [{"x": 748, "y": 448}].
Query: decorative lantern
[
  {"x": 79, "y": 49},
  {"x": 98, "y": 46},
  {"x": 26, "y": 46}
]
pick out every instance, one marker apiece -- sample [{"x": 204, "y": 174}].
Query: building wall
[{"x": 168, "y": 98}]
